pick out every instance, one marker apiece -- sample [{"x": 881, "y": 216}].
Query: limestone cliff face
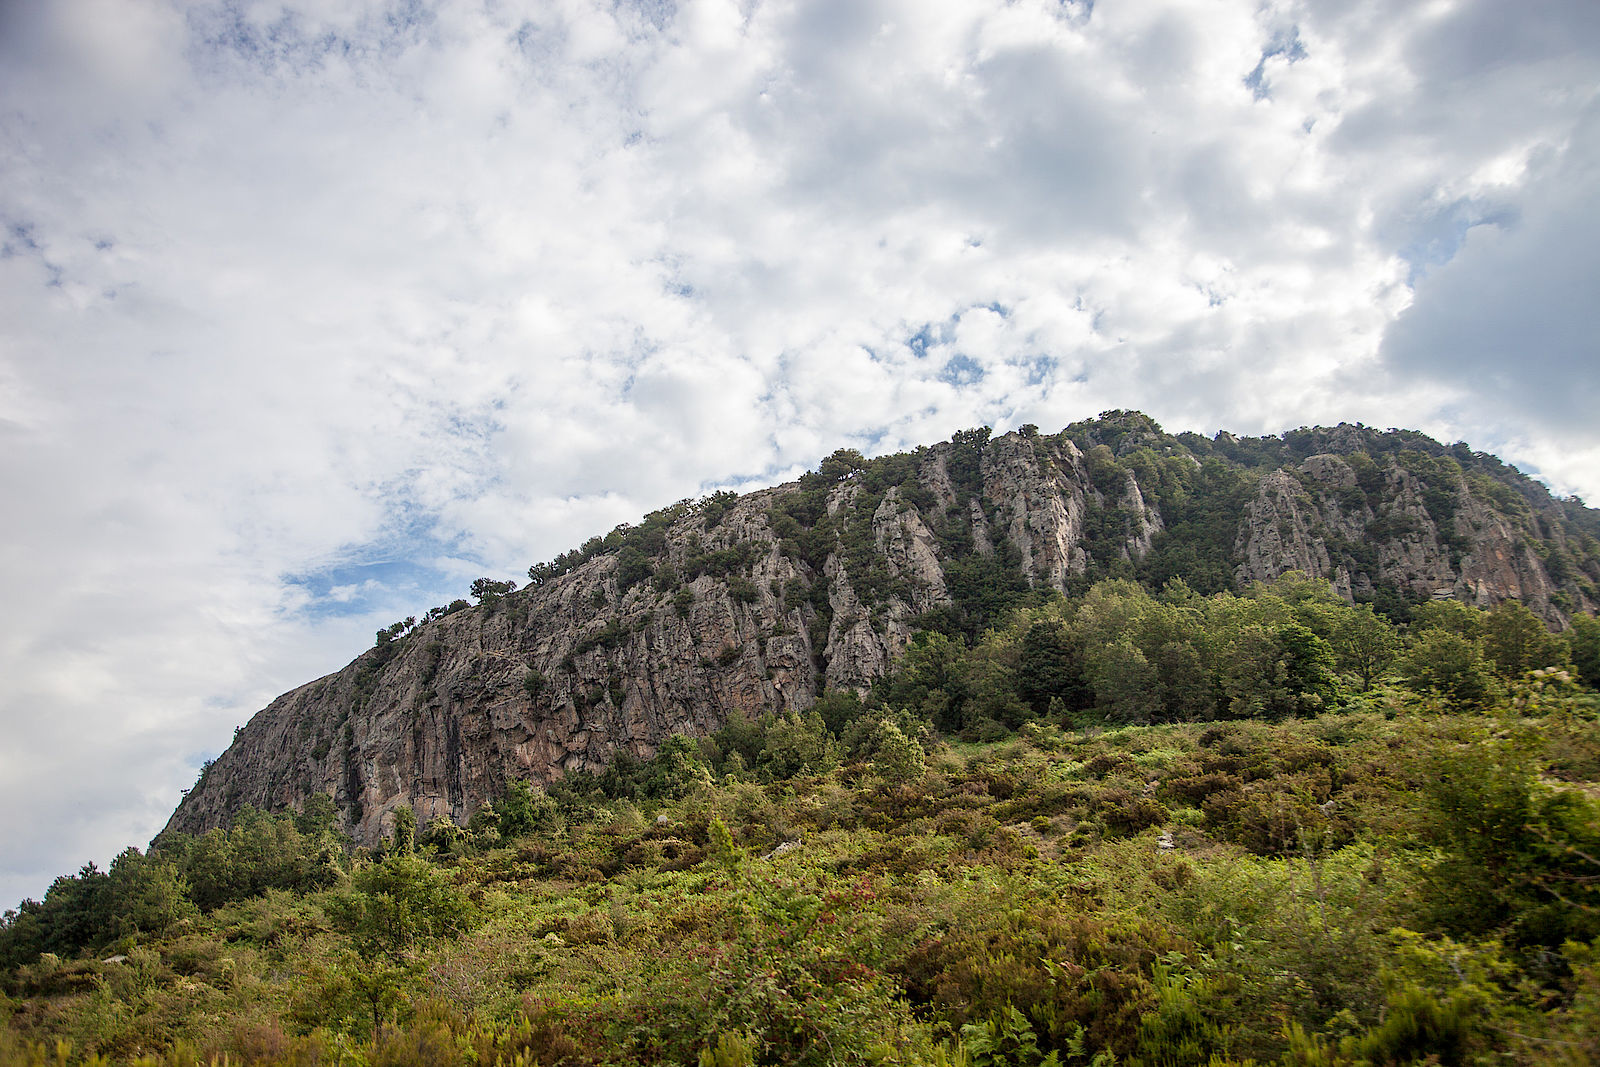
[
  {"x": 756, "y": 604},
  {"x": 558, "y": 677},
  {"x": 1429, "y": 539}
]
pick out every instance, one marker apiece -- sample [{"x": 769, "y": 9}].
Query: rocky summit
[{"x": 744, "y": 605}]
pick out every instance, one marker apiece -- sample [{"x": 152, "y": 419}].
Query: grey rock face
[
  {"x": 1478, "y": 554},
  {"x": 561, "y": 676}
]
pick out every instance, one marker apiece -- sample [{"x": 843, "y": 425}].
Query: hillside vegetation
[{"x": 1133, "y": 825}]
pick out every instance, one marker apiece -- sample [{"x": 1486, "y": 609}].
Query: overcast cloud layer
[{"x": 311, "y": 314}]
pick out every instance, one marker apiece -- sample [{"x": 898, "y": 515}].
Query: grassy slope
[{"x": 1022, "y": 890}]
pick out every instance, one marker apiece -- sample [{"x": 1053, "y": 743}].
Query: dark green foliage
[
  {"x": 965, "y": 461},
  {"x": 1050, "y": 669},
  {"x": 259, "y": 852},
  {"x": 838, "y": 709},
  {"x": 1308, "y": 667},
  {"x": 719, "y": 563},
  {"x": 931, "y": 681},
  {"x": 1516, "y": 641},
  {"x": 317, "y": 818},
  {"x": 389, "y": 634},
  {"x": 608, "y": 636},
  {"x": 985, "y": 587},
  {"x": 144, "y": 894},
  {"x": 521, "y": 809},
  {"x": 1450, "y": 667},
  {"x": 1585, "y": 646},
  {"x": 633, "y": 567},
  {"x": 1365, "y": 645},
  {"x": 676, "y": 769},
  {"x": 1201, "y": 512},
  {"x": 393, "y": 905},
  {"x": 1516, "y": 856},
  {"x": 666, "y": 579},
  {"x": 715, "y": 506},
  {"x": 139, "y": 895},
  {"x": 487, "y": 590}
]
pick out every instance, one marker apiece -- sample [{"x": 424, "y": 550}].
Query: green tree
[
  {"x": 145, "y": 894},
  {"x": 931, "y": 682},
  {"x": 318, "y": 816},
  {"x": 633, "y": 567},
  {"x": 1307, "y": 668},
  {"x": 1450, "y": 666},
  {"x": 1517, "y": 859},
  {"x": 404, "y": 834},
  {"x": 1449, "y": 615},
  {"x": 393, "y": 906},
  {"x": 839, "y": 708},
  {"x": 1365, "y": 644},
  {"x": 1584, "y": 640},
  {"x": 1049, "y": 668},
  {"x": 259, "y": 852},
  {"x": 1516, "y": 641},
  {"x": 390, "y": 911},
  {"x": 1124, "y": 682},
  {"x": 676, "y": 770},
  {"x": 896, "y": 757},
  {"x": 798, "y": 745},
  {"x": 487, "y": 590}
]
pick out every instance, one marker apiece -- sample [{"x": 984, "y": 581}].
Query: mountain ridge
[{"x": 745, "y": 604}]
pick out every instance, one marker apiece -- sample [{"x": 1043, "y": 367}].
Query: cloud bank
[{"x": 311, "y": 313}]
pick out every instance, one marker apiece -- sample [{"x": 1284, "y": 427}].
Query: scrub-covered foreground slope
[{"x": 761, "y": 602}]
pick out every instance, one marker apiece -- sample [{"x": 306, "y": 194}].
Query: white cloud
[{"x": 308, "y": 314}]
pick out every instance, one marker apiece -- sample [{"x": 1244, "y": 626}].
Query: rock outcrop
[{"x": 756, "y": 604}]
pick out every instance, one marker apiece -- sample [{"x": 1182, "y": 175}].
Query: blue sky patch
[
  {"x": 1284, "y": 43},
  {"x": 1439, "y": 237},
  {"x": 961, "y": 370}
]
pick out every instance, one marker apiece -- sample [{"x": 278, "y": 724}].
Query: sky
[{"x": 312, "y": 313}]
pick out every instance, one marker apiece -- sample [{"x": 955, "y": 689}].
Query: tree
[
  {"x": 1450, "y": 615},
  {"x": 1516, "y": 640},
  {"x": 1365, "y": 644},
  {"x": 390, "y": 910},
  {"x": 1451, "y": 666},
  {"x": 393, "y": 906},
  {"x": 842, "y": 464},
  {"x": 1048, "y": 667},
  {"x": 405, "y": 829},
  {"x": 1584, "y": 638},
  {"x": 931, "y": 681},
  {"x": 145, "y": 894},
  {"x": 318, "y": 816},
  {"x": 676, "y": 770},
  {"x": 260, "y": 852},
  {"x": 1516, "y": 857},
  {"x": 1124, "y": 682},
  {"x": 1308, "y": 667},
  {"x": 839, "y": 708},
  {"x": 798, "y": 745},
  {"x": 487, "y": 590},
  {"x": 896, "y": 757},
  {"x": 633, "y": 567}
]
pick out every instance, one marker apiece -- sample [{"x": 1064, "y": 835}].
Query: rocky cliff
[{"x": 744, "y": 605}]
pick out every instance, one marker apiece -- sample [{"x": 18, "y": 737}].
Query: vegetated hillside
[
  {"x": 744, "y": 605},
  {"x": 1385, "y": 849}
]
